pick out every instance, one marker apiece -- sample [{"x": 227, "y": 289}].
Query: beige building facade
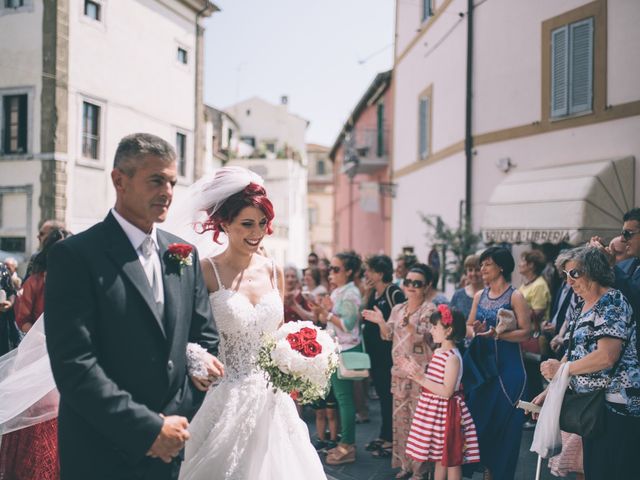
[
  {"x": 320, "y": 199},
  {"x": 543, "y": 125},
  {"x": 75, "y": 77}
]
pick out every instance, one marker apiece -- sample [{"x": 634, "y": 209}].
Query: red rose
[
  {"x": 308, "y": 333},
  {"x": 294, "y": 395},
  {"x": 311, "y": 348},
  {"x": 181, "y": 250},
  {"x": 295, "y": 341}
]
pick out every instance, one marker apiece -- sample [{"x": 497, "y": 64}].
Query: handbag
[
  {"x": 507, "y": 321},
  {"x": 354, "y": 365},
  {"x": 585, "y": 413}
]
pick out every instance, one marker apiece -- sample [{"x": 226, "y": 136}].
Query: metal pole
[{"x": 468, "y": 137}]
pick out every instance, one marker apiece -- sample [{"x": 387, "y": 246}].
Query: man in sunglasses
[{"x": 627, "y": 272}]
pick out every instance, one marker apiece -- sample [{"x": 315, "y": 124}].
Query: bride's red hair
[{"x": 253, "y": 195}]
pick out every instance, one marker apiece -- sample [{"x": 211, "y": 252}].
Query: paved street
[{"x": 370, "y": 468}]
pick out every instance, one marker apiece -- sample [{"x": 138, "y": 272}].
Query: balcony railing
[{"x": 366, "y": 150}]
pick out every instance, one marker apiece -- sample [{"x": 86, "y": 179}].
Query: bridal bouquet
[{"x": 299, "y": 359}]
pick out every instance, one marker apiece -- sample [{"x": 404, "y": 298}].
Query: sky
[{"x": 322, "y": 54}]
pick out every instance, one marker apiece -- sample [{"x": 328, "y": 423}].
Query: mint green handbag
[{"x": 354, "y": 365}]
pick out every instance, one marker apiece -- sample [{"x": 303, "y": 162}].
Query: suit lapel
[
  {"x": 122, "y": 253},
  {"x": 172, "y": 282}
]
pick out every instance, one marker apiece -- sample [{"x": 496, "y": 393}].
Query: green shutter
[
  {"x": 559, "y": 71},
  {"x": 380, "y": 139},
  {"x": 423, "y": 133},
  {"x": 427, "y": 10},
  {"x": 581, "y": 68}
]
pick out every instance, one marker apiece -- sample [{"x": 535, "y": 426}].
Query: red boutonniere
[{"x": 180, "y": 254}]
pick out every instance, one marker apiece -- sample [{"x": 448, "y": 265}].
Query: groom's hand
[{"x": 171, "y": 438}]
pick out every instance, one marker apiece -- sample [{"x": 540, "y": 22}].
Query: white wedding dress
[{"x": 243, "y": 430}]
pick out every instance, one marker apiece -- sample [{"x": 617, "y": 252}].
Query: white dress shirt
[{"x": 151, "y": 264}]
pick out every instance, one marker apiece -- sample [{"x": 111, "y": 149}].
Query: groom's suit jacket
[{"x": 119, "y": 361}]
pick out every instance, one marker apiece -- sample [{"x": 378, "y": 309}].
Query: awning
[{"x": 568, "y": 203}]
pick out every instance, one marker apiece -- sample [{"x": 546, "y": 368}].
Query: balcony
[{"x": 366, "y": 150}]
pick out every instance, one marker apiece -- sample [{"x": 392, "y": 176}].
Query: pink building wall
[{"x": 354, "y": 229}]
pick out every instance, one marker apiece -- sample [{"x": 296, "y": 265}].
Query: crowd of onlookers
[
  {"x": 581, "y": 306},
  {"x": 31, "y": 452},
  {"x": 448, "y": 373}
]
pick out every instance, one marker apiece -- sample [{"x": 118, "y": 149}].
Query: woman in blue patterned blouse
[{"x": 603, "y": 355}]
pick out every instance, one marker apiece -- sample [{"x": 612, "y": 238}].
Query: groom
[{"x": 120, "y": 310}]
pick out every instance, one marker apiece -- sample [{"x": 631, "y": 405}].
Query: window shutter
[
  {"x": 581, "y": 71},
  {"x": 380, "y": 139},
  {"x": 426, "y": 9},
  {"x": 559, "y": 71},
  {"x": 424, "y": 127},
  {"x": 22, "y": 123}
]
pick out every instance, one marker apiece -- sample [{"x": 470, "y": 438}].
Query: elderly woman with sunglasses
[
  {"x": 601, "y": 344},
  {"x": 341, "y": 314},
  {"x": 494, "y": 378},
  {"x": 409, "y": 329}
]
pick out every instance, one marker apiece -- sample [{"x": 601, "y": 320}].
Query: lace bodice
[{"x": 241, "y": 326}]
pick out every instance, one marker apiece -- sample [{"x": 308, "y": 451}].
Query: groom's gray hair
[{"x": 133, "y": 148}]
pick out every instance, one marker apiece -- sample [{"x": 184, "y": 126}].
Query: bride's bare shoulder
[{"x": 208, "y": 274}]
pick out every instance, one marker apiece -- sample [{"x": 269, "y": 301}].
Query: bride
[{"x": 244, "y": 430}]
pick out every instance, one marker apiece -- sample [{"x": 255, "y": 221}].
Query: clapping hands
[
  {"x": 409, "y": 367},
  {"x": 373, "y": 316}
]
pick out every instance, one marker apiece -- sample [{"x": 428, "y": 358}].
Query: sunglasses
[
  {"x": 573, "y": 273},
  {"x": 335, "y": 269},
  {"x": 628, "y": 234},
  {"x": 413, "y": 283}
]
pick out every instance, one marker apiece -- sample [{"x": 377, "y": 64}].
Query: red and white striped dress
[{"x": 442, "y": 429}]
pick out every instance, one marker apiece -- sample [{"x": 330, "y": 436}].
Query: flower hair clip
[{"x": 445, "y": 313}]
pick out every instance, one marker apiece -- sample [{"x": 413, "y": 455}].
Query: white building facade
[
  {"x": 554, "y": 116},
  {"x": 271, "y": 130},
  {"x": 320, "y": 200},
  {"x": 75, "y": 77}
]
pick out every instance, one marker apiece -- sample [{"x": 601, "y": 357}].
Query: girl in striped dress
[{"x": 442, "y": 430}]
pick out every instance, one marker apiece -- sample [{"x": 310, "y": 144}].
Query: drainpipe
[
  {"x": 198, "y": 144},
  {"x": 468, "y": 136}
]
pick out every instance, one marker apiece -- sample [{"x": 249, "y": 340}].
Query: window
[
  {"x": 249, "y": 140},
  {"x": 321, "y": 168},
  {"x": 90, "y": 131},
  {"x": 13, "y": 3},
  {"x": 424, "y": 120},
  {"x": 380, "y": 131},
  {"x": 93, "y": 10},
  {"x": 13, "y": 244},
  {"x": 271, "y": 147},
  {"x": 313, "y": 216},
  {"x": 182, "y": 55},
  {"x": 427, "y": 10},
  {"x": 572, "y": 68},
  {"x": 181, "y": 153},
  {"x": 14, "y": 124}
]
